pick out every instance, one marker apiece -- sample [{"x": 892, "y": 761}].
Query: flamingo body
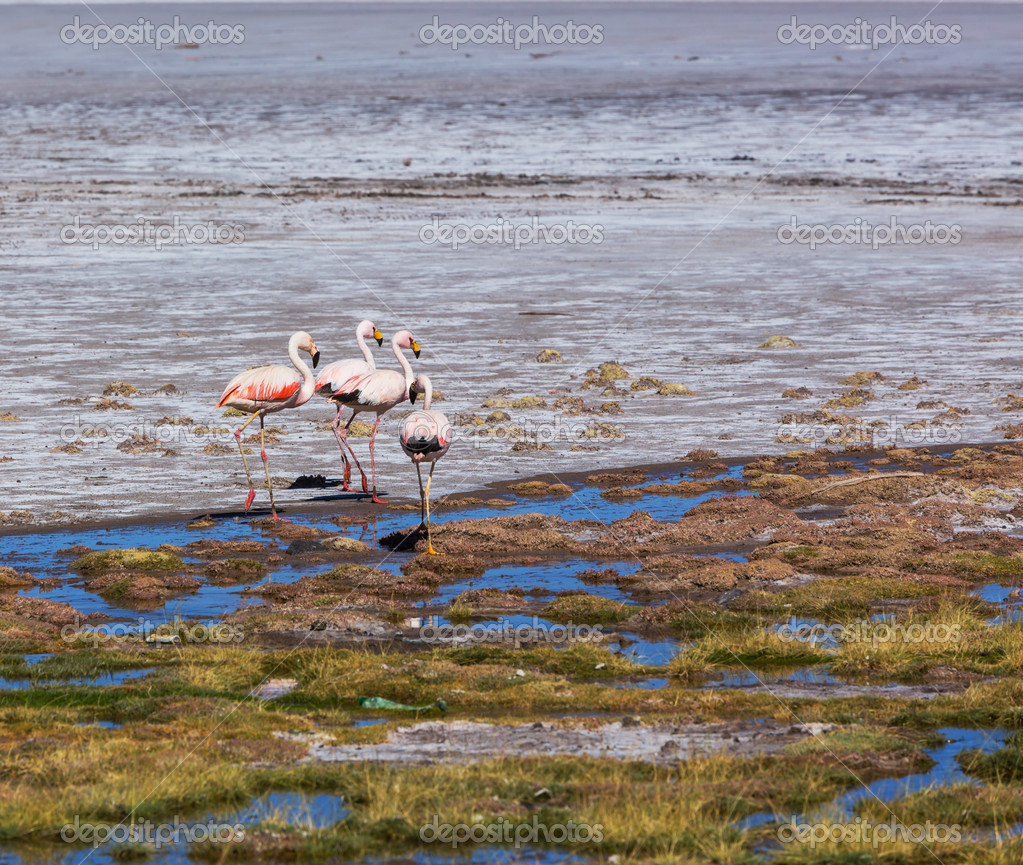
[
  {"x": 425, "y": 437},
  {"x": 265, "y": 388},
  {"x": 268, "y": 389},
  {"x": 378, "y": 391},
  {"x": 333, "y": 383}
]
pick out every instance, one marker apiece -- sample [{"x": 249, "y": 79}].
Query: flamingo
[
  {"x": 332, "y": 379},
  {"x": 425, "y": 437},
  {"x": 379, "y": 391},
  {"x": 268, "y": 389}
]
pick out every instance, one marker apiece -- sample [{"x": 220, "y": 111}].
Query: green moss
[
  {"x": 587, "y": 609},
  {"x": 129, "y": 559}
]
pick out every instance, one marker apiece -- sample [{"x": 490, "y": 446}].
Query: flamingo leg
[
  {"x": 266, "y": 467},
  {"x": 429, "y": 543},
  {"x": 351, "y": 450},
  {"x": 422, "y": 496},
  {"x": 373, "y": 465},
  {"x": 341, "y": 443},
  {"x": 241, "y": 450}
]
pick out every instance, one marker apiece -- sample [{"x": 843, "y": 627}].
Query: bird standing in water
[
  {"x": 268, "y": 389},
  {"x": 425, "y": 437},
  {"x": 380, "y": 391},
  {"x": 331, "y": 383}
]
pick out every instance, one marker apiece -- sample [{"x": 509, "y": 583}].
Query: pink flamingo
[
  {"x": 268, "y": 389},
  {"x": 379, "y": 391},
  {"x": 425, "y": 437},
  {"x": 331, "y": 382}
]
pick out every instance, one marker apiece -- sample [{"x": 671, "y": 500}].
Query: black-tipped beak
[
  {"x": 412, "y": 394},
  {"x": 316, "y": 358},
  {"x": 379, "y": 337}
]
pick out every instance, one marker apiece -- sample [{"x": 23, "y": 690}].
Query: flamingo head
[
  {"x": 404, "y": 339},
  {"x": 305, "y": 343},
  {"x": 368, "y": 330},
  {"x": 421, "y": 384}
]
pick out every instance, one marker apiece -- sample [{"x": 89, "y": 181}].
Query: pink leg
[
  {"x": 335, "y": 428},
  {"x": 351, "y": 450},
  {"x": 373, "y": 463}
]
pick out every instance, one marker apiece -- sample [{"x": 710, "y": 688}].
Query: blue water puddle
[
  {"x": 106, "y": 725},
  {"x": 730, "y": 556},
  {"x": 996, "y": 593},
  {"x": 643, "y": 684},
  {"x": 944, "y": 772},
  {"x": 304, "y": 810},
  {"x": 653, "y": 652},
  {"x": 368, "y": 722},
  {"x": 748, "y": 678},
  {"x": 32, "y": 660},
  {"x": 103, "y": 680},
  {"x": 552, "y": 577},
  {"x": 178, "y": 855}
]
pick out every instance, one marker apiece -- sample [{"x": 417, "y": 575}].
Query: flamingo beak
[
  {"x": 316, "y": 358},
  {"x": 412, "y": 394},
  {"x": 415, "y": 348},
  {"x": 378, "y": 336}
]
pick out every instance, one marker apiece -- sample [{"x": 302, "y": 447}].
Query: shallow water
[
  {"x": 944, "y": 772},
  {"x": 996, "y": 593},
  {"x": 103, "y": 680},
  {"x": 335, "y": 137}
]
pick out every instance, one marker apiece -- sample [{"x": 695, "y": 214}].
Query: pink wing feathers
[
  {"x": 383, "y": 388},
  {"x": 334, "y": 378},
  {"x": 262, "y": 384}
]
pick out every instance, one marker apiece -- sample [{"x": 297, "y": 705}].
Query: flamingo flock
[{"x": 357, "y": 384}]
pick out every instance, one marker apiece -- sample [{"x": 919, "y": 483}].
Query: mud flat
[
  {"x": 458, "y": 741},
  {"x": 682, "y": 135}
]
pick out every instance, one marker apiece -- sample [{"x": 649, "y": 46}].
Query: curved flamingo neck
[
  {"x": 308, "y": 381},
  {"x": 405, "y": 365},
  {"x": 428, "y": 393},
  {"x": 366, "y": 353}
]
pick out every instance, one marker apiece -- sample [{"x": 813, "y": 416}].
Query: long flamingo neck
[
  {"x": 428, "y": 397},
  {"x": 308, "y": 380},
  {"x": 366, "y": 353},
  {"x": 405, "y": 365}
]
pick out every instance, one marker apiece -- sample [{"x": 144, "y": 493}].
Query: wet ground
[
  {"x": 719, "y": 594},
  {"x": 691, "y": 134}
]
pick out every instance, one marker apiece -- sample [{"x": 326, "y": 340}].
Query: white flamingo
[
  {"x": 331, "y": 382},
  {"x": 379, "y": 391},
  {"x": 268, "y": 389},
  {"x": 425, "y": 436}
]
